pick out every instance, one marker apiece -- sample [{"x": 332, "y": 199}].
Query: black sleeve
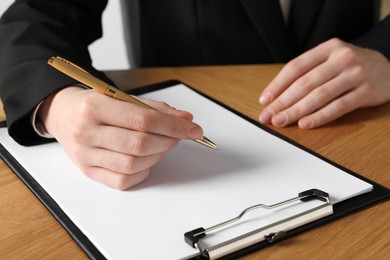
[
  {"x": 378, "y": 38},
  {"x": 31, "y": 31}
]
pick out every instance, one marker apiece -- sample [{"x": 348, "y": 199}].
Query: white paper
[{"x": 192, "y": 187}]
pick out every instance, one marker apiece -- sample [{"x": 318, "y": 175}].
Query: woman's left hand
[{"x": 325, "y": 83}]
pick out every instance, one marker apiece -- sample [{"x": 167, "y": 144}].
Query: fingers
[
  {"x": 126, "y": 141},
  {"x": 303, "y": 86},
  {"x": 116, "y": 180},
  {"x": 295, "y": 80},
  {"x": 298, "y": 90},
  {"x": 292, "y": 71},
  {"x": 324, "y": 83},
  {"x": 317, "y": 98},
  {"x": 109, "y": 153},
  {"x": 130, "y": 116},
  {"x": 332, "y": 111},
  {"x": 114, "y": 161},
  {"x": 114, "y": 142}
]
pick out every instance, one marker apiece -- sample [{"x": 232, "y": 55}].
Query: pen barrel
[
  {"x": 79, "y": 74},
  {"x": 120, "y": 95}
]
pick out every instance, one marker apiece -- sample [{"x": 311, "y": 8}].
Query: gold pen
[{"x": 81, "y": 75}]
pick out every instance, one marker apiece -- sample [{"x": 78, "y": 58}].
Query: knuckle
[
  {"x": 127, "y": 165},
  {"x": 367, "y": 94},
  {"x": 136, "y": 145},
  {"x": 86, "y": 114},
  {"x": 177, "y": 130},
  {"x": 141, "y": 121},
  {"x": 341, "y": 106},
  {"x": 349, "y": 56},
  {"x": 323, "y": 95},
  {"x": 367, "y": 89},
  {"x": 77, "y": 133},
  {"x": 305, "y": 83},
  {"x": 294, "y": 113},
  {"x": 293, "y": 66},
  {"x": 278, "y": 105},
  {"x": 359, "y": 73},
  {"x": 120, "y": 182},
  {"x": 336, "y": 42},
  {"x": 125, "y": 181},
  {"x": 87, "y": 106}
]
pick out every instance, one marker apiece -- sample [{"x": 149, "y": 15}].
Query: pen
[{"x": 81, "y": 75}]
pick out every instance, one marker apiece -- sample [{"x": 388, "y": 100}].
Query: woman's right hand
[{"x": 111, "y": 141}]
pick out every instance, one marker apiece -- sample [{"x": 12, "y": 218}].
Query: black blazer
[
  {"x": 200, "y": 32},
  {"x": 166, "y": 33}
]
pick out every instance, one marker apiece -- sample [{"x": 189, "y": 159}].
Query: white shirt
[{"x": 285, "y": 5}]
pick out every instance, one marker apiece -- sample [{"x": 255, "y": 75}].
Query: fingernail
[
  {"x": 265, "y": 116},
  {"x": 305, "y": 123},
  {"x": 279, "y": 119},
  {"x": 195, "y": 133},
  {"x": 265, "y": 99}
]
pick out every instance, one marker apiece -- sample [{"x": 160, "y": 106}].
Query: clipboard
[{"x": 378, "y": 193}]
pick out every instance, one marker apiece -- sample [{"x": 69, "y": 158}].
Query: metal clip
[
  {"x": 275, "y": 236},
  {"x": 270, "y": 233}
]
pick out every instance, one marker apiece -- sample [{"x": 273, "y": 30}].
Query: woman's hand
[
  {"x": 114, "y": 142},
  {"x": 325, "y": 83}
]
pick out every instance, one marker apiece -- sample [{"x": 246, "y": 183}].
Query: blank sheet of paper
[{"x": 193, "y": 186}]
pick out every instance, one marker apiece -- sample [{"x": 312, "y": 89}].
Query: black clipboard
[{"x": 378, "y": 194}]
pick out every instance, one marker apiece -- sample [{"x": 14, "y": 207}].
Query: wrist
[{"x": 50, "y": 111}]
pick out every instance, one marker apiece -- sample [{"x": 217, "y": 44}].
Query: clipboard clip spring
[{"x": 269, "y": 233}]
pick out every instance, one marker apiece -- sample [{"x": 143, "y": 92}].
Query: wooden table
[{"x": 359, "y": 141}]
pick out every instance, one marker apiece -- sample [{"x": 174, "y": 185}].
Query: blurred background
[{"x": 104, "y": 56}]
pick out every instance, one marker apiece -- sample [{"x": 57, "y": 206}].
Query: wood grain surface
[{"x": 359, "y": 141}]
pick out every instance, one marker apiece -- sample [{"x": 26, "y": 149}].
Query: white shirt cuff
[{"x": 37, "y": 124}]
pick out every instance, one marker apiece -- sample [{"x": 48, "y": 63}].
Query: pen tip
[{"x": 208, "y": 143}]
